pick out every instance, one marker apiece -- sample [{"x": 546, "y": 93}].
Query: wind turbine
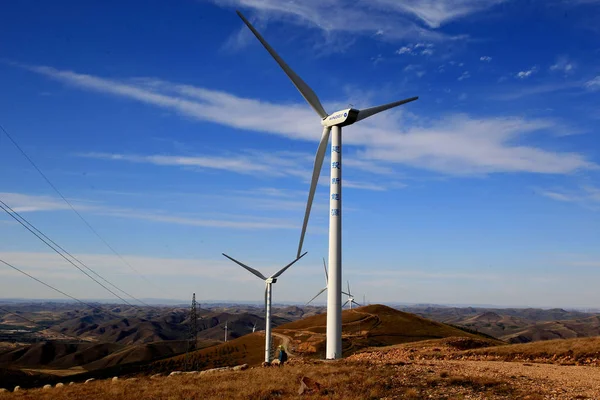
[
  {"x": 268, "y": 295},
  {"x": 350, "y": 300},
  {"x": 254, "y": 327},
  {"x": 326, "y": 284},
  {"x": 226, "y": 330},
  {"x": 332, "y": 124}
]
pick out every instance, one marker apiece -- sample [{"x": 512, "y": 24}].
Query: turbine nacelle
[{"x": 341, "y": 118}]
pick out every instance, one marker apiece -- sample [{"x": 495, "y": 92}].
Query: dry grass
[
  {"x": 564, "y": 351},
  {"x": 338, "y": 380},
  {"x": 248, "y": 349}
]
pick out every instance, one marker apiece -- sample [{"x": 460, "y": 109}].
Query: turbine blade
[
  {"x": 344, "y": 305},
  {"x": 251, "y": 270},
  {"x": 356, "y": 303},
  {"x": 326, "y": 277},
  {"x": 318, "y": 294},
  {"x": 266, "y": 294},
  {"x": 347, "y": 294},
  {"x": 313, "y": 183},
  {"x": 367, "y": 112},
  {"x": 302, "y": 87},
  {"x": 282, "y": 270}
]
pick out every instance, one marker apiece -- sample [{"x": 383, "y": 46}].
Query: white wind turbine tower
[
  {"x": 226, "y": 330},
  {"x": 332, "y": 124},
  {"x": 350, "y": 300},
  {"x": 268, "y": 295},
  {"x": 254, "y": 327}
]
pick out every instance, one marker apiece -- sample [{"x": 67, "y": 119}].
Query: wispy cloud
[
  {"x": 24, "y": 203},
  {"x": 249, "y": 162},
  {"x": 485, "y": 58},
  {"x": 467, "y": 146},
  {"x": 389, "y": 19},
  {"x": 527, "y": 73},
  {"x": 586, "y": 196},
  {"x": 465, "y": 75},
  {"x": 240, "y": 164},
  {"x": 593, "y": 84},
  {"x": 424, "y": 49},
  {"x": 27, "y": 203},
  {"x": 564, "y": 65},
  {"x": 519, "y": 92},
  {"x": 44, "y": 264},
  {"x": 396, "y": 137},
  {"x": 434, "y": 13}
]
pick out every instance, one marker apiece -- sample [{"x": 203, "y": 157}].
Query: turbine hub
[{"x": 341, "y": 118}]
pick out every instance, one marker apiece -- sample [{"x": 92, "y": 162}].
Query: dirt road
[{"x": 542, "y": 381}]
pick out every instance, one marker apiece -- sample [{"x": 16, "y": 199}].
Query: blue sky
[{"x": 177, "y": 137}]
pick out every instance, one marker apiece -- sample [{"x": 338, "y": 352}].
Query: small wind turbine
[
  {"x": 226, "y": 330},
  {"x": 254, "y": 327},
  {"x": 350, "y": 300},
  {"x": 332, "y": 124},
  {"x": 268, "y": 295},
  {"x": 326, "y": 283}
]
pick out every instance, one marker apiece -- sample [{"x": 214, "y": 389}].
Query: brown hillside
[
  {"x": 57, "y": 354},
  {"x": 146, "y": 352},
  {"x": 249, "y": 349},
  {"x": 569, "y": 329},
  {"x": 374, "y": 325}
]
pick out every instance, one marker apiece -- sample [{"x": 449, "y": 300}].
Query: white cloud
[
  {"x": 518, "y": 91},
  {"x": 528, "y": 73},
  {"x": 485, "y": 58},
  {"x": 593, "y": 84},
  {"x": 391, "y": 19},
  {"x": 425, "y": 49},
  {"x": 23, "y": 203},
  {"x": 451, "y": 144},
  {"x": 377, "y": 59},
  {"x": 434, "y": 13},
  {"x": 465, "y": 75},
  {"x": 462, "y": 145},
  {"x": 247, "y": 162},
  {"x": 586, "y": 195},
  {"x": 563, "y": 64},
  {"x": 404, "y": 50}
]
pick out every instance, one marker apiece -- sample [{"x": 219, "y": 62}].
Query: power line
[
  {"x": 48, "y": 285},
  {"x": 71, "y": 206},
  {"x": 55, "y": 250},
  {"x": 60, "y": 291},
  {"x": 69, "y": 254}
]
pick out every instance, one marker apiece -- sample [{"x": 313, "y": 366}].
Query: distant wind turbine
[
  {"x": 350, "y": 300},
  {"x": 268, "y": 295},
  {"x": 326, "y": 284},
  {"x": 332, "y": 124}
]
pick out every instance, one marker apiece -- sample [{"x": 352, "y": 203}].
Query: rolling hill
[
  {"x": 516, "y": 325},
  {"x": 91, "y": 356},
  {"x": 369, "y": 326}
]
